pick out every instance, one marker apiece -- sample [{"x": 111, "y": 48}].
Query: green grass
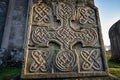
[
  {"x": 115, "y": 72},
  {"x": 114, "y": 67},
  {"x": 112, "y": 64},
  {"x": 8, "y": 72}
]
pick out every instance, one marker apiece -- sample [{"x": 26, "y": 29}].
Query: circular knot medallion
[{"x": 65, "y": 60}]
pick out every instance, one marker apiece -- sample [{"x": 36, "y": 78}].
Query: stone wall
[
  {"x": 18, "y": 24},
  {"x": 13, "y": 24},
  {"x": 3, "y": 13}
]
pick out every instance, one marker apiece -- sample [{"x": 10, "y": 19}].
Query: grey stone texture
[
  {"x": 17, "y": 77},
  {"x": 18, "y": 24},
  {"x": 2, "y": 51},
  {"x": 64, "y": 41},
  {"x": 13, "y": 22},
  {"x": 114, "y": 35},
  {"x": 3, "y": 14}
]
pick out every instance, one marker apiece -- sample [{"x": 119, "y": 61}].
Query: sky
[{"x": 109, "y": 12}]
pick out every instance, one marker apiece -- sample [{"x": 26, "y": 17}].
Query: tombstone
[
  {"x": 64, "y": 41},
  {"x": 114, "y": 35}
]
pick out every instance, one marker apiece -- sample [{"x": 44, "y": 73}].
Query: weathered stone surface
[
  {"x": 16, "y": 57},
  {"x": 64, "y": 41},
  {"x": 2, "y": 57},
  {"x": 18, "y": 24},
  {"x": 11, "y": 58},
  {"x": 3, "y": 13},
  {"x": 13, "y": 26},
  {"x": 114, "y": 35},
  {"x": 109, "y": 77}
]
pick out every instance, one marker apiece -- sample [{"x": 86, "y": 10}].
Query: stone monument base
[{"x": 109, "y": 77}]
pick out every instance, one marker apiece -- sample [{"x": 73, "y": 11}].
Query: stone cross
[{"x": 63, "y": 40}]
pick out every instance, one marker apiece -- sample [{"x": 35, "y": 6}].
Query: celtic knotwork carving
[
  {"x": 39, "y": 62},
  {"x": 86, "y": 15},
  {"x": 65, "y": 35},
  {"x": 40, "y": 35},
  {"x": 87, "y": 36},
  {"x": 41, "y": 15},
  {"x": 65, "y": 60},
  {"x": 63, "y": 41},
  {"x": 64, "y": 11},
  {"x": 90, "y": 60}
]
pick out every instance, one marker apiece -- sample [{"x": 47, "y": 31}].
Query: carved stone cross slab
[{"x": 63, "y": 41}]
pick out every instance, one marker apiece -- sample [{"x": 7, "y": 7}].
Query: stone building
[{"x": 13, "y": 23}]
